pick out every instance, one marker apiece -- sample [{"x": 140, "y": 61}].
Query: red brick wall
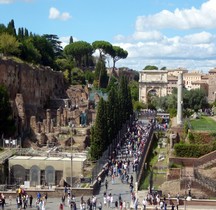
[{"x": 174, "y": 173}]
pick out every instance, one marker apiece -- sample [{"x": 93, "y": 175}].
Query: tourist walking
[
  {"x": 30, "y": 200},
  {"x": 106, "y": 184},
  {"x": 61, "y": 206}
]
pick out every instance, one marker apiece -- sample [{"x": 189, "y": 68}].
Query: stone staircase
[
  {"x": 205, "y": 181},
  {"x": 208, "y": 164}
]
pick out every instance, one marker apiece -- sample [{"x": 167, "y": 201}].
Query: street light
[{"x": 71, "y": 175}]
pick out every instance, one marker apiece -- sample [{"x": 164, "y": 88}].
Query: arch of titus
[{"x": 152, "y": 81}]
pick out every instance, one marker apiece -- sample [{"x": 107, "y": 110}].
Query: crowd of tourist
[{"x": 122, "y": 167}]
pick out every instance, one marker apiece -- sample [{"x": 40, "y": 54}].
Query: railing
[
  {"x": 104, "y": 158},
  {"x": 204, "y": 180},
  {"x": 5, "y": 155},
  {"x": 205, "y": 159},
  {"x": 144, "y": 155}
]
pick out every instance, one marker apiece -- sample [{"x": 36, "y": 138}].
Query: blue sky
[{"x": 169, "y": 33}]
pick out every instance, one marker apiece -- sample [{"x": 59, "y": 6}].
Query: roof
[
  {"x": 154, "y": 71},
  {"x": 193, "y": 74},
  {"x": 78, "y": 159},
  {"x": 178, "y": 69},
  {"x": 212, "y": 70}
]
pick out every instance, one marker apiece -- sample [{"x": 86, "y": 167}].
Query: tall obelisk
[{"x": 180, "y": 99}]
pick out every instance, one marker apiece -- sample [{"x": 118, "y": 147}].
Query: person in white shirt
[{"x": 144, "y": 204}]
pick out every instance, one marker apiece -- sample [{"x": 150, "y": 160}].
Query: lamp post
[{"x": 71, "y": 180}]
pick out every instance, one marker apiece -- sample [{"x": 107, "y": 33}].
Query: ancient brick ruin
[{"x": 44, "y": 106}]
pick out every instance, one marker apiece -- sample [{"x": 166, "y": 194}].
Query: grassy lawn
[
  {"x": 203, "y": 124},
  {"x": 159, "y": 172}
]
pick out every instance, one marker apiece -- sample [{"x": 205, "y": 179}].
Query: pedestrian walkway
[{"x": 121, "y": 176}]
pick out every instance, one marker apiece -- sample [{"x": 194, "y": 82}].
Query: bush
[
  {"x": 192, "y": 150},
  {"x": 175, "y": 165},
  {"x": 191, "y": 138}
]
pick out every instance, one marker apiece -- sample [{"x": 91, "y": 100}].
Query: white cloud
[
  {"x": 189, "y": 51},
  {"x": 6, "y": 1},
  {"x": 147, "y": 35},
  {"x": 11, "y": 1},
  {"x": 149, "y": 46},
  {"x": 55, "y": 14},
  {"x": 204, "y": 17},
  {"x": 140, "y": 35},
  {"x": 199, "y": 38}
]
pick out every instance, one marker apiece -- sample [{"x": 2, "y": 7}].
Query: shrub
[
  {"x": 192, "y": 150},
  {"x": 191, "y": 138},
  {"x": 175, "y": 165}
]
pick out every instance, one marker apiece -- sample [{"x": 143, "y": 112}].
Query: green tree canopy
[
  {"x": 118, "y": 53},
  {"x": 46, "y": 50},
  {"x": 11, "y": 28},
  {"x": 99, "y": 140},
  {"x": 134, "y": 87},
  {"x": 3, "y": 28},
  {"x": 149, "y": 67},
  {"x": 29, "y": 52},
  {"x": 78, "y": 50},
  {"x": 77, "y": 76},
  {"x": 55, "y": 43},
  {"x": 104, "y": 47},
  {"x": 8, "y": 44},
  {"x": 101, "y": 74}
]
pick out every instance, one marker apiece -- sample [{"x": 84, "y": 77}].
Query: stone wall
[
  {"x": 186, "y": 162},
  {"x": 42, "y": 102},
  {"x": 37, "y": 85},
  {"x": 174, "y": 173},
  {"x": 30, "y": 89}
]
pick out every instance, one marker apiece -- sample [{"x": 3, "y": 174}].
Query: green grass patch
[
  {"x": 158, "y": 168},
  {"x": 158, "y": 179},
  {"x": 203, "y": 124},
  {"x": 145, "y": 182}
]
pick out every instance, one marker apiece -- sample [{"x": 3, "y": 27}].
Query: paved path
[
  {"x": 115, "y": 189},
  {"x": 53, "y": 204}
]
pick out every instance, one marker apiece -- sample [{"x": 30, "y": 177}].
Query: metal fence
[
  {"x": 106, "y": 154},
  {"x": 100, "y": 164},
  {"x": 144, "y": 155},
  {"x": 204, "y": 180}
]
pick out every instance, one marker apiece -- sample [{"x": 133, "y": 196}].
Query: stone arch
[
  {"x": 18, "y": 174},
  {"x": 50, "y": 175},
  {"x": 152, "y": 80},
  {"x": 35, "y": 175},
  {"x": 153, "y": 91}
]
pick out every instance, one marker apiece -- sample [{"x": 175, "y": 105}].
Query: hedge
[{"x": 193, "y": 150}]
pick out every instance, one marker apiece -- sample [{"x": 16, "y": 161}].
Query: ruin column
[
  {"x": 38, "y": 128},
  {"x": 65, "y": 116},
  {"x": 179, "y": 99},
  {"x": 33, "y": 123},
  {"x": 48, "y": 120},
  {"x": 43, "y": 126},
  {"x": 58, "y": 117}
]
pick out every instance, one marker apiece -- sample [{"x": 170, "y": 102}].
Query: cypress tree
[
  {"x": 99, "y": 134},
  {"x": 112, "y": 117}
]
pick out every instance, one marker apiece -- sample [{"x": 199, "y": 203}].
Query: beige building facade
[
  {"x": 44, "y": 170},
  {"x": 190, "y": 80},
  {"x": 162, "y": 82}
]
